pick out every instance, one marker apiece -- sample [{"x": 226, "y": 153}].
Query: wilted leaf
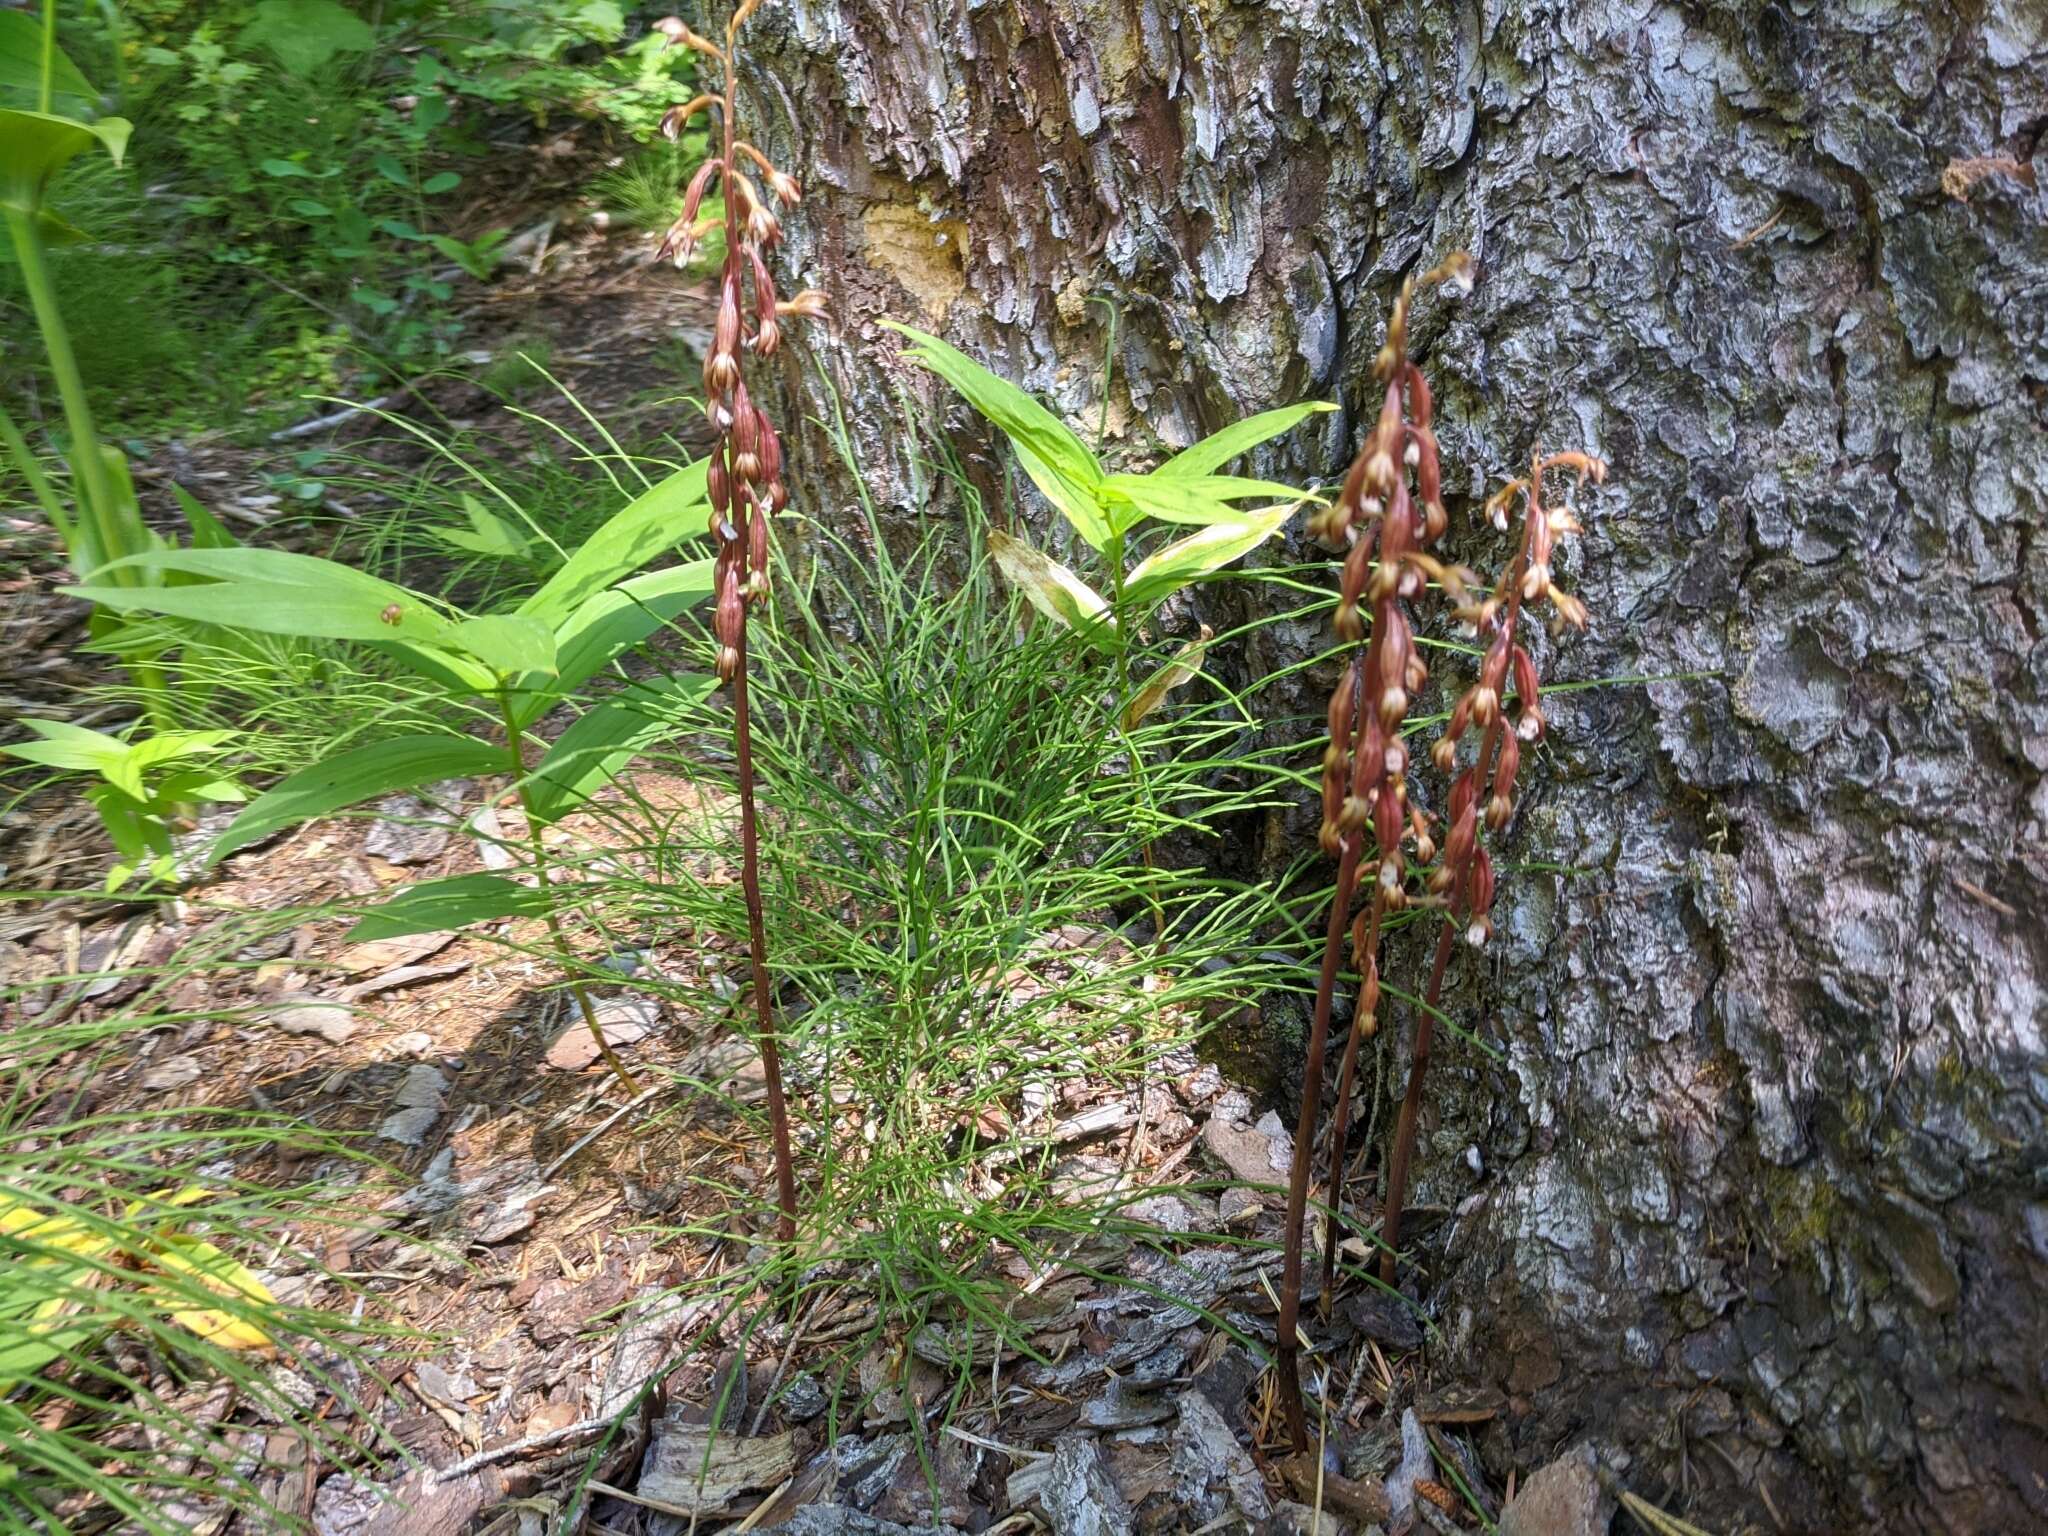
[
  {"x": 1185, "y": 667},
  {"x": 1053, "y": 589}
]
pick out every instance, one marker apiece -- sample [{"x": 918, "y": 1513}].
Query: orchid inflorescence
[
  {"x": 1387, "y": 516},
  {"x": 744, "y": 480}
]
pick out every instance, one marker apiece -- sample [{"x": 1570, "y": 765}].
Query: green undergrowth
[{"x": 154, "y": 1374}]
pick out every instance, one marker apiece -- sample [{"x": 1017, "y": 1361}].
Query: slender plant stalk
[
  {"x": 757, "y": 951},
  {"x": 1403, "y": 1151},
  {"x": 98, "y": 507},
  {"x": 1288, "y": 1327},
  {"x": 515, "y": 760},
  {"x": 745, "y": 481},
  {"x": 46, "y": 89}
]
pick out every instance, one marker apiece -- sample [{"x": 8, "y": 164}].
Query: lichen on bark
[{"x": 1765, "y": 1169}]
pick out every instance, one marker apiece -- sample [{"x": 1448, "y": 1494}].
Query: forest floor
[{"x": 586, "y": 1349}]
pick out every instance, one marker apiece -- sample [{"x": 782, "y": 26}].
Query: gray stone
[{"x": 1564, "y": 1498}]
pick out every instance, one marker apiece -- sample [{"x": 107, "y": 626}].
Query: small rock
[
  {"x": 380, "y": 955},
  {"x": 1562, "y": 1499},
  {"x": 414, "y": 1042},
  {"x": 1416, "y": 1462},
  {"x": 490, "y": 837},
  {"x": 450, "y": 1387},
  {"x": 304, "y": 1014},
  {"x": 417, "y": 1105},
  {"x": 1292, "y": 1519},
  {"x": 1079, "y": 1497},
  {"x": 1389, "y": 1319},
  {"x": 1212, "y": 1473},
  {"x": 172, "y": 1072},
  {"x": 408, "y": 831},
  {"x": 623, "y": 1020},
  {"x": 401, "y": 976},
  {"x": 801, "y": 1399}
]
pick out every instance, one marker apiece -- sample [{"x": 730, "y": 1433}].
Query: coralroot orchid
[
  {"x": 1387, "y": 528},
  {"x": 1463, "y": 882},
  {"x": 744, "y": 481},
  {"x": 1388, "y": 514}
]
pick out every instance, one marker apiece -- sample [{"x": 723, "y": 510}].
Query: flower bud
[
  {"x": 1498, "y": 810},
  {"x": 1390, "y": 874},
  {"x": 1353, "y": 816},
  {"x": 1393, "y": 706},
  {"x": 785, "y": 188},
  {"x": 1484, "y": 703},
  {"x": 807, "y": 305},
  {"x": 1444, "y": 754}
]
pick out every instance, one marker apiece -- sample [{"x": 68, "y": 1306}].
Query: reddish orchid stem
[
  {"x": 1288, "y": 1325},
  {"x": 1340, "y": 1124}
]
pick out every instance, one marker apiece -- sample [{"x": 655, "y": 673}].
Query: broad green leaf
[
  {"x": 434, "y": 905},
  {"x": 126, "y": 774},
  {"x": 274, "y": 608},
  {"x": 611, "y": 622},
  {"x": 21, "y": 66},
  {"x": 1238, "y": 439},
  {"x": 68, "y": 746},
  {"x": 304, "y": 34},
  {"x": 1167, "y": 570},
  {"x": 385, "y": 768},
  {"x": 511, "y": 645},
  {"x": 208, "y": 532},
  {"x": 608, "y": 737},
  {"x": 276, "y": 593},
  {"x": 1057, "y": 461},
  {"x": 652, "y": 523},
  {"x": 200, "y": 784},
  {"x": 1053, "y": 590},
  {"x": 452, "y": 670},
  {"x": 1192, "y": 499},
  {"x": 1185, "y": 667},
  {"x": 34, "y": 146}
]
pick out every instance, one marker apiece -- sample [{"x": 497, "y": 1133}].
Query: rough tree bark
[{"x": 1766, "y": 1177}]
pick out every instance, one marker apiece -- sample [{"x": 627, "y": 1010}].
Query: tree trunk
[{"x": 1765, "y": 1187}]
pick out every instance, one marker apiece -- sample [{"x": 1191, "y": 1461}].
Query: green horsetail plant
[
  {"x": 745, "y": 483},
  {"x": 515, "y": 666},
  {"x": 1106, "y": 510}
]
